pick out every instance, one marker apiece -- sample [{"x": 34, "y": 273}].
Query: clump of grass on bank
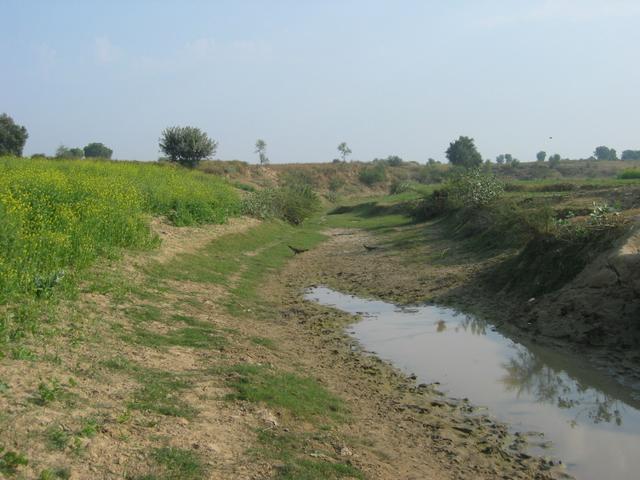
[
  {"x": 287, "y": 448},
  {"x": 57, "y": 215},
  {"x": 303, "y": 397},
  {"x": 629, "y": 174},
  {"x": 292, "y": 202}
]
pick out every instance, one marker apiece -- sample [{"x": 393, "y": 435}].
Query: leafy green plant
[
  {"x": 399, "y": 186},
  {"x": 473, "y": 188},
  {"x": 58, "y": 438},
  {"x": 602, "y": 214},
  {"x": 373, "y": 174},
  {"x": 48, "y": 392}
]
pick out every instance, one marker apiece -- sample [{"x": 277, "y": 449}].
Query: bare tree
[
  {"x": 261, "y": 150},
  {"x": 344, "y": 150}
]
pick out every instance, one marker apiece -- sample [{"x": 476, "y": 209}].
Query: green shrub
[
  {"x": 292, "y": 203},
  {"x": 336, "y": 183},
  {"x": 432, "y": 173},
  {"x": 473, "y": 188},
  {"x": 373, "y": 174},
  {"x": 399, "y": 186},
  {"x": 629, "y": 174},
  {"x": 468, "y": 189}
]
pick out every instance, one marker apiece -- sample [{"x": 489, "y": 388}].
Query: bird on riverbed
[
  {"x": 296, "y": 251},
  {"x": 369, "y": 248}
]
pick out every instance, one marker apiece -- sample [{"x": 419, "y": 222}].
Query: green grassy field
[{"x": 57, "y": 215}]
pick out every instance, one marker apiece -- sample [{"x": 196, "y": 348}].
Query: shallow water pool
[{"x": 591, "y": 422}]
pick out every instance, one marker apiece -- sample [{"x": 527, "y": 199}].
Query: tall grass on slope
[
  {"x": 56, "y": 214},
  {"x": 629, "y": 174}
]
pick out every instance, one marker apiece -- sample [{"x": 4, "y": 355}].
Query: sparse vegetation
[
  {"x": 177, "y": 463},
  {"x": 302, "y": 397},
  {"x": 373, "y": 174}
]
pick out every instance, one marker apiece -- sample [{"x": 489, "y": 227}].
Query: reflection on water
[
  {"x": 473, "y": 325},
  {"x": 526, "y": 373},
  {"x": 592, "y": 422}
]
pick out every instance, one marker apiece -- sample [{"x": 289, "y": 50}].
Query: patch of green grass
[
  {"x": 179, "y": 464},
  {"x": 264, "y": 342},
  {"x": 303, "y": 397},
  {"x": 376, "y": 215},
  {"x": 57, "y": 438},
  {"x": 159, "y": 393},
  {"x": 242, "y": 260},
  {"x": 105, "y": 281},
  {"x": 23, "y": 353},
  {"x": 4, "y": 387},
  {"x": 119, "y": 363},
  {"x": 194, "y": 337},
  {"x": 48, "y": 392},
  {"x": 144, "y": 313},
  {"x": 10, "y": 461},
  {"x": 189, "y": 320},
  {"x": 55, "y": 474},
  {"x": 290, "y": 449},
  {"x": 89, "y": 428}
]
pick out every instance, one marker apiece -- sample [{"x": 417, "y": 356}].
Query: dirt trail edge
[{"x": 412, "y": 431}]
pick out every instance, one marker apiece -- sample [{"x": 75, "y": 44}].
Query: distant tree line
[
  {"x": 93, "y": 150},
  {"x": 187, "y": 146}
]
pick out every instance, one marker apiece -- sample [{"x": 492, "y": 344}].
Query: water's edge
[{"x": 592, "y": 421}]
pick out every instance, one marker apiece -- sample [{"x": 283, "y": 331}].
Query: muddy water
[{"x": 588, "y": 421}]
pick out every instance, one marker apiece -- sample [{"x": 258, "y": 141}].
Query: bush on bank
[{"x": 293, "y": 203}]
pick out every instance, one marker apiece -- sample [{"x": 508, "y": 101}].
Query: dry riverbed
[{"x": 419, "y": 432}]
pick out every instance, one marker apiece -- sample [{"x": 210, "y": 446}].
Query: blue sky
[{"x": 388, "y": 77}]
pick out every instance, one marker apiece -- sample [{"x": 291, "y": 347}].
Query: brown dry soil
[{"x": 115, "y": 388}]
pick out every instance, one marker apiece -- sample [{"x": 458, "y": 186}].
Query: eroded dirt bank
[{"x": 592, "y": 316}]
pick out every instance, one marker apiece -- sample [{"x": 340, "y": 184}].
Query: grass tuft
[
  {"x": 303, "y": 397},
  {"x": 179, "y": 463}
]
